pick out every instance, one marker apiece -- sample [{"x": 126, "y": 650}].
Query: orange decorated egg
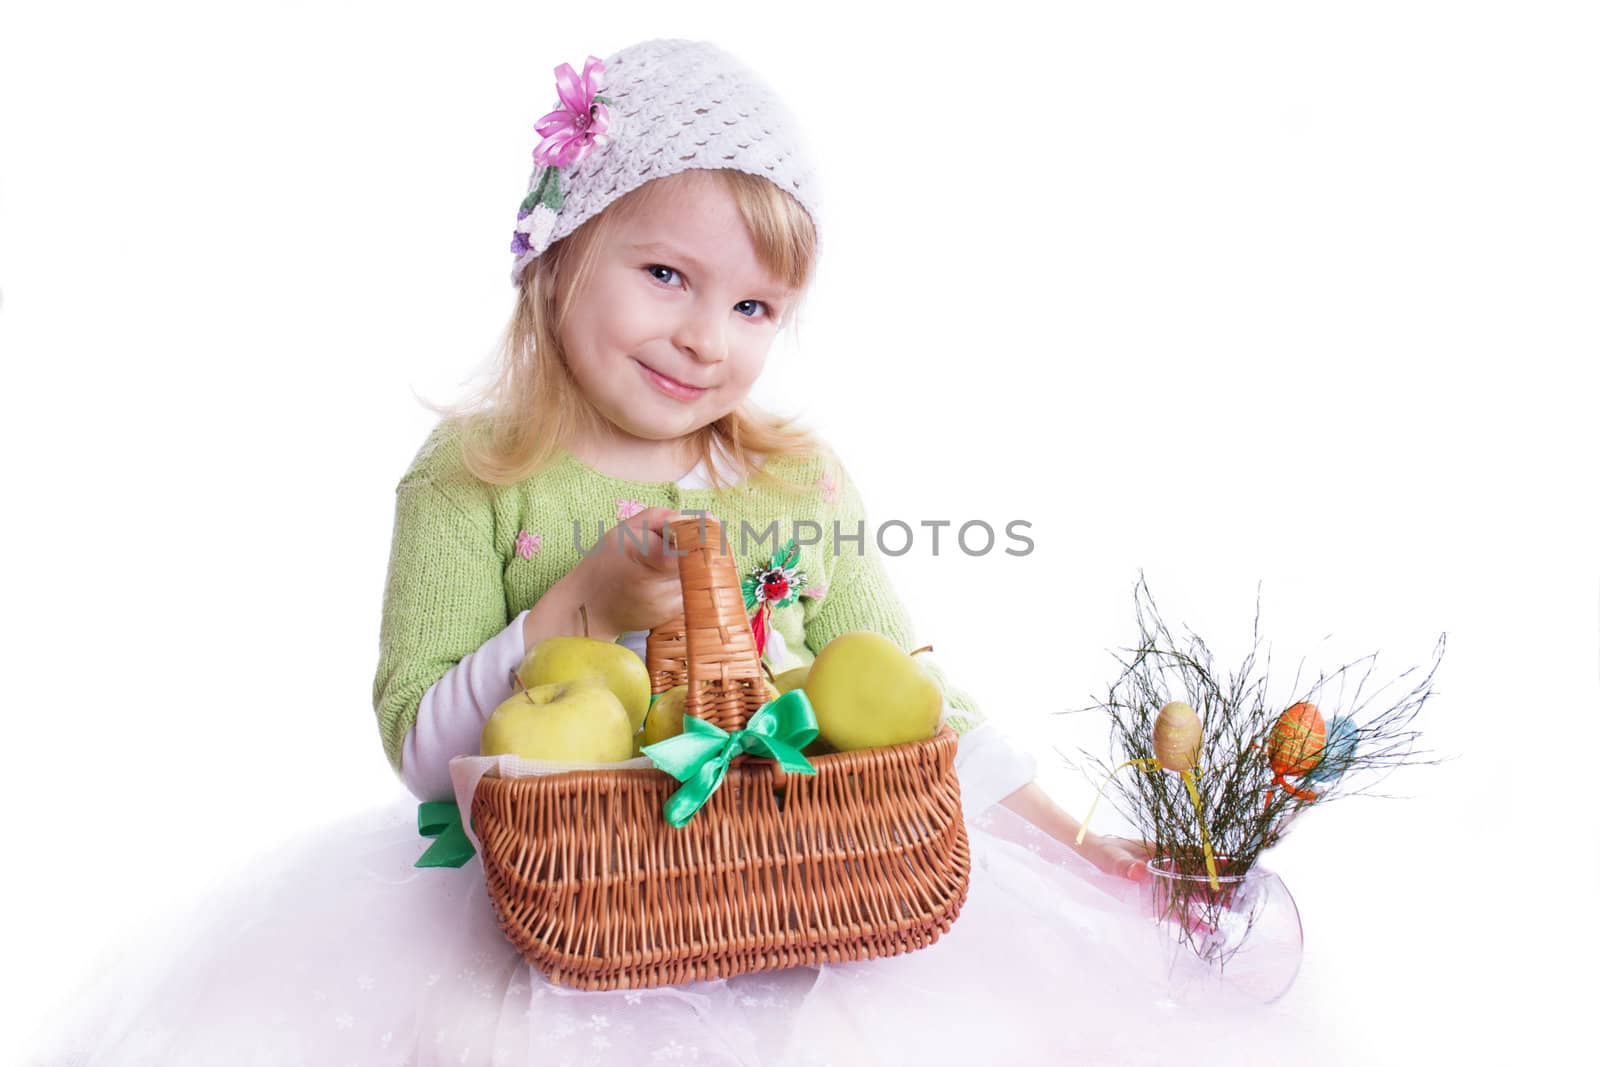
[
  {"x": 1177, "y": 736},
  {"x": 1297, "y": 739}
]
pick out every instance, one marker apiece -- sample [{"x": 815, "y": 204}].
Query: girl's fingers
[
  {"x": 659, "y": 558},
  {"x": 656, "y": 519},
  {"x": 1128, "y": 858},
  {"x": 1136, "y": 849},
  {"x": 653, "y": 523},
  {"x": 639, "y": 535}
]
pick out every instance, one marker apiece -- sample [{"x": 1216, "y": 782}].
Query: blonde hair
[{"x": 520, "y": 421}]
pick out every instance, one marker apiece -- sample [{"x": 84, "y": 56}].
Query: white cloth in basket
[{"x": 340, "y": 951}]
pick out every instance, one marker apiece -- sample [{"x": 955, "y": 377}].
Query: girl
[{"x": 669, "y": 234}]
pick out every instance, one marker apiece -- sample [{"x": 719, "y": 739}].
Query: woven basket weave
[{"x": 596, "y": 889}]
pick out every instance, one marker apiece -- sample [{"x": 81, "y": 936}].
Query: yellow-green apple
[
  {"x": 867, "y": 692},
  {"x": 568, "y": 658},
  {"x": 666, "y": 716},
  {"x": 579, "y": 721},
  {"x": 792, "y": 679}
]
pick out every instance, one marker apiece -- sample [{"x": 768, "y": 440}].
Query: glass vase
[{"x": 1243, "y": 933}]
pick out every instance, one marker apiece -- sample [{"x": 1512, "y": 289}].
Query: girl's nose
[{"x": 704, "y": 335}]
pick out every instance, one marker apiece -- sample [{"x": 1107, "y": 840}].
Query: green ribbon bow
[
  {"x": 699, "y": 756},
  {"x": 441, "y": 819}
]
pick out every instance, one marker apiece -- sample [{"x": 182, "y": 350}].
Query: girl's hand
[
  {"x": 1117, "y": 856},
  {"x": 628, "y": 587}
]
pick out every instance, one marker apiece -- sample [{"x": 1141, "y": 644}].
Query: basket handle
[{"x": 711, "y": 647}]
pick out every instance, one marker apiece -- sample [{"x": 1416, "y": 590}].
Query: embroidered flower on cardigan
[
  {"x": 626, "y": 509},
  {"x": 829, "y": 487},
  {"x": 529, "y": 543},
  {"x": 815, "y": 591}
]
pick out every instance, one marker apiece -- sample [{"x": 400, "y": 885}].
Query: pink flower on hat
[{"x": 579, "y": 123}]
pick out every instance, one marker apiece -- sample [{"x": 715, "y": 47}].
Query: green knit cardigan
[{"x": 468, "y": 557}]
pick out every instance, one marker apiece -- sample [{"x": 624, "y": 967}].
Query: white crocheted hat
[{"x": 653, "y": 109}]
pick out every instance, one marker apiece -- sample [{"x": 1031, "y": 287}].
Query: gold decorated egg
[{"x": 1177, "y": 736}]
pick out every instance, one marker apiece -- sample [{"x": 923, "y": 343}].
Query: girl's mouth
[{"x": 670, "y": 386}]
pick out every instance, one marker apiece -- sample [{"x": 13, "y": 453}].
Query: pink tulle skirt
[{"x": 341, "y": 951}]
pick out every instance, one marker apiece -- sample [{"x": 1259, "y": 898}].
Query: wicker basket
[{"x": 596, "y": 889}]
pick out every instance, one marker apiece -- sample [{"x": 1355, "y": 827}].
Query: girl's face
[{"x": 672, "y": 327}]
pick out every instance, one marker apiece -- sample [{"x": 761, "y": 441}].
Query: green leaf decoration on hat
[
  {"x": 546, "y": 191},
  {"x": 552, "y": 190}
]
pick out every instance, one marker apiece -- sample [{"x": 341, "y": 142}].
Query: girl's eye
[{"x": 747, "y": 308}]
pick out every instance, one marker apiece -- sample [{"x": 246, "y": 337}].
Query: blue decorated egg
[{"x": 1337, "y": 753}]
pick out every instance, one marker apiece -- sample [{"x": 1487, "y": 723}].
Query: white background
[{"x": 1272, "y": 293}]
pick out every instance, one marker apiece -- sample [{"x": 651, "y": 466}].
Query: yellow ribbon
[
  {"x": 1194, "y": 797},
  {"x": 1205, "y": 838},
  {"x": 1146, "y": 764}
]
